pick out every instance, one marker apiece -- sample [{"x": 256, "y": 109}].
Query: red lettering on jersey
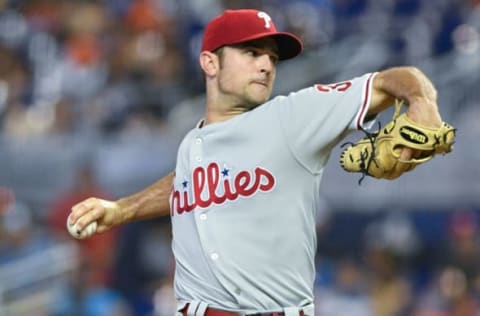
[
  {"x": 209, "y": 180},
  {"x": 341, "y": 87}
]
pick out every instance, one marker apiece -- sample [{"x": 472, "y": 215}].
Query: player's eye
[
  {"x": 274, "y": 59},
  {"x": 257, "y": 52}
]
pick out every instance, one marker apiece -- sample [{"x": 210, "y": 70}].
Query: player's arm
[
  {"x": 411, "y": 85},
  {"x": 151, "y": 202}
]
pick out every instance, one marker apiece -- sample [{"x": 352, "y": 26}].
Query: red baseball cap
[{"x": 238, "y": 26}]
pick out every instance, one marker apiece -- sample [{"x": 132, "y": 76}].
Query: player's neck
[
  {"x": 215, "y": 116},
  {"x": 222, "y": 109}
]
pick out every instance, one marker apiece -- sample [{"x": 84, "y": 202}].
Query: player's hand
[
  {"x": 106, "y": 213},
  {"x": 409, "y": 139},
  {"x": 423, "y": 111}
]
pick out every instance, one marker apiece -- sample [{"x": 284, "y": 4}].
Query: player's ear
[{"x": 209, "y": 62}]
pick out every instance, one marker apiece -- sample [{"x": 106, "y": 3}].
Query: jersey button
[
  {"x": 198, "y": 158},
  {"x": 214, "y": 256},
  {"x": 198, "y": 141},
  {"x": 203, "y": 217}
]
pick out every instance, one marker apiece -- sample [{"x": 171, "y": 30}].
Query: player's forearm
[
  {"x": 148, "y": 203},
  {"x": 410, "y": 84},
  {"x": 407, "y": 83}
]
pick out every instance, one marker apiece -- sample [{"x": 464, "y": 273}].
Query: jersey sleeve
[{"x": 316, "y": 118}]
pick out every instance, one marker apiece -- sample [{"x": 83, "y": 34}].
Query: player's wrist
[
  {"x": 424, "y": 111},
  {"x": 124, "y": 211}
]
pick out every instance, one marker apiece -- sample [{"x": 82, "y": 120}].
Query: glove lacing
[{"x": 365, "y": 160}]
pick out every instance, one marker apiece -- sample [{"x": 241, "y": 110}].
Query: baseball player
[{"x": 245, "y": 190}]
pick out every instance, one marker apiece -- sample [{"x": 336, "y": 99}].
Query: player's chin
[
  {"x": 260, "y": 95},
  {"x": 255, "y": 102}
]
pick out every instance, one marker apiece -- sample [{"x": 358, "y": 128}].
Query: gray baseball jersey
[{"x": 245, "y": 195}]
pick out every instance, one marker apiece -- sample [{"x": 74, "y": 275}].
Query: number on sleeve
[{"x": 340, "y": 87}]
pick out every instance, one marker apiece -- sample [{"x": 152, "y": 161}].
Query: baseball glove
[{"x": 378, "y": 154}]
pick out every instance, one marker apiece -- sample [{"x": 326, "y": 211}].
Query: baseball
[{"x": 85, "y": 233}]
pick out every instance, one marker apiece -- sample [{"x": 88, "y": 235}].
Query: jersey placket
[{"x": 200, "y": 215}]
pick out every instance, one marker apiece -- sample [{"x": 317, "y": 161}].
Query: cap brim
[{"x": 288, "y": 44}]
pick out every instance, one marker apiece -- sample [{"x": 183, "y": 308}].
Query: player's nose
[{"x": 266, "y": 63}]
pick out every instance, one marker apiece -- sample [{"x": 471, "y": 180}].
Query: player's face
[{"x": 247, "y": 72}]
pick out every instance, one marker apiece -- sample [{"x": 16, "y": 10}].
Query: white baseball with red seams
[{"x": 245, "y": 198}]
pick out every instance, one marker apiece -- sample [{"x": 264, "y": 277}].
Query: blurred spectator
[
  {"x": 463, "y": 246},
  {"x": 20, "y": 237},
  {"x": 82, "y": 64},
  {"x": 97, "y": 253},
  {"x": 14, "y": 84},
  {"x": 144, "y": 264},
  {"x": 348, "y": 294},
  {"x": 90, "y": 288},
  {"x": 448, "y": 295},
  {"x": 390, "y": 288},
  {"x": 31, "y": 263},
  {"x": 390, "y": 243},
  {"x": 145, "y": 15},
  {"x": 7, "y": 198},
  {"x": 394, "y": 232}
]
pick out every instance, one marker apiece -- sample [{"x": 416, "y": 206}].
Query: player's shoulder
[{"x": 189, "y": 135}]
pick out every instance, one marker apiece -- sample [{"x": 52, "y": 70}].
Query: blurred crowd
[
  {"x": 411, "y": 263},
  {"x": 118, "y": 65},
  {"x": 95, "y": 96}
]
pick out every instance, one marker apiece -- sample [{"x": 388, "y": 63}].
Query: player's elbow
[
  {"x": 427, "y": 85},
  {"x": 424, "y": 86}
]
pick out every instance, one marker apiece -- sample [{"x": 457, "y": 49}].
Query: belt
[{"x": 217, "y": 312}]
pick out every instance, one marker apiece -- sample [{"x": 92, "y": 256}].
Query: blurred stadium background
[{"x": 96, "y": 95}]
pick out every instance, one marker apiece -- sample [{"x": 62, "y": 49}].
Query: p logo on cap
[
  {"x": 266, "y": 17},
  {"x": 238, "y": 26}
]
